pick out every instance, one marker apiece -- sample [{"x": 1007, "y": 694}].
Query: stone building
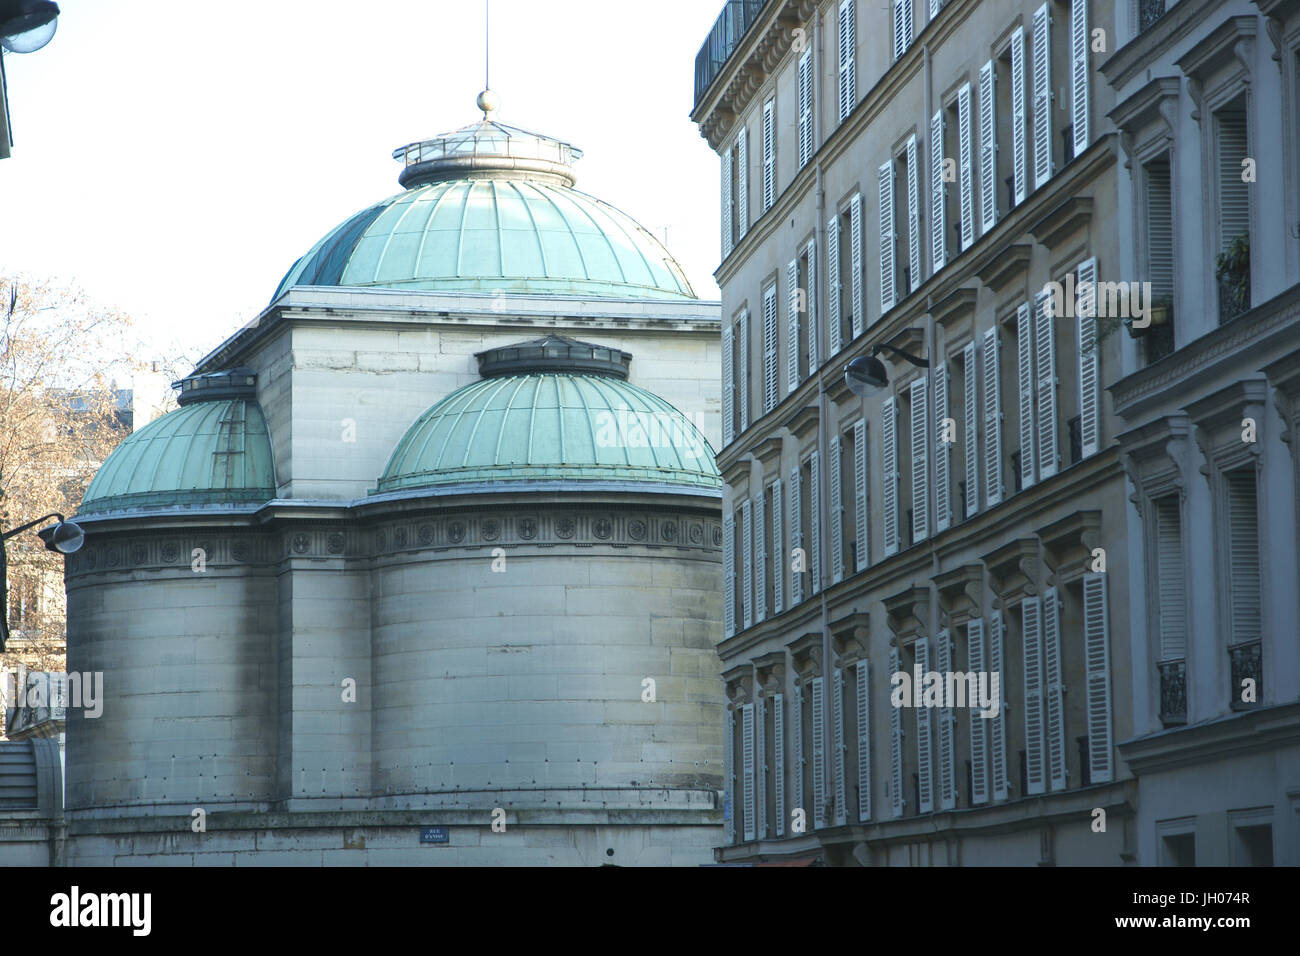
[
  {"x": 433, "y": 543},
  {"x": 948, "y": 186}
]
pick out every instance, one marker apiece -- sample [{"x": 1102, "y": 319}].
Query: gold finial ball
[{"x": 489, "y": 102}]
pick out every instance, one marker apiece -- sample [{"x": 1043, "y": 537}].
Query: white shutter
[
  {"x": 805, "y": 108},
  {"x": 1035, "y": 756},
  {"x": 744, "y": 369},
  {"x": 1054, "y": 701},
  {"x": 792, "y": 326},
  {"x": 1243, "y": 555},
  {"x": 913, "y": 215},
  {"x": 728, "y": 574},
  {"x": 992, "y": 420},
  {"x": 837, "y": 741},
  {"x": 895, "y": 745},
  {"x": 819, "y": 752},
  {"x": 998, "y": 725},
  {"x": 1019, "y": 161},
  {"x": 1096, "y": 641},
  {"x": 747, "y": 764},
  {"x": 779, "y": 560},
  {"x": 796, "y": 735},
  {"x": 935, "y": 7},
  {"x": 979, "y": 726},
  {"x": 889, "y": 472},
  {"x": 966, "y": 167},
  {"x": 947, "y": 723},
  {"x": 728, "y": 385},
  {"x": 811, "y": 296},
  {"x": 888, "y": 293},
  {"x": 1172, "y": 578},
  {"x": 1234, "y": 195},
  {"x": 760, "y": 560},
  {"x": 747, "y": 557},
  {"x": 833, "y": 284},
  {"x": 862, "y": 555},
  {"x": 769, "y": 155},
  {"x": 943, "y": 450},
  {"x": 902, "y": 26},
  {"x": 1079, "y": 72},
  {"x": 848, "y": 58},
  {"x": 938, "y": 192},
  {"x": 815, "y": 510},
  {"x": 1042, "y": 97},
  {"x": 1048, "y": 457},
  {"x": 769, "y": 350},
  {"x": 988, "y": 150},
  {"x": 778, "y": 762},
  {"x": 1089, "y": 390},
  {"x": 855, "y": 263},
  {"x": 924, "y": 753},
  {"x": 727, "y": 200},
  {"x": 796, "y": 535},
  {"x": 729, "y": 772},
  {"x": 760, "y": 765},
  {"x": 970, "y": 387},
  {"x": 742, "y": 184},
  {"x": 864, "y": 741},
  {"x": 1025, "y": 385},
  {"x": 837, "y": 512},
  {"x": 920, "y": 433},
  {"x": 1160, "y": 229}
]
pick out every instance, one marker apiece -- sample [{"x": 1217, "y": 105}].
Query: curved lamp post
[
  {"x": 866, "y": 373},
  {"x": 65, "y": 537}
]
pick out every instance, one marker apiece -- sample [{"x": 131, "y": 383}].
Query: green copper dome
[
  {"x": 214, "y": 451},
  {"x": 551, "y": 427}
]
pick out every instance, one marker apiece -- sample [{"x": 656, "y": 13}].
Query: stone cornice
[
  {"x": 1157, "y": 102},
  {"x": 1013, "y": 570},
  {"x": 908, "y": 612},
  {"x": 1252, "y": 731},
  {"x": 961, "y": 593},
  {"x": 1068, "y": 544},
  {"x": 767, "y": 451},
  {"x": 803, "y": 422},
  {"x": 956, "y": 306},
  {"x": 1231, "y": 39},
  {"x": 1157, "y": 456},
  {"x": 1004, "y": 266},
  {"x": 850, "y": 637},
  {"x": 806, "y": 654},
  {"x": 1062, "y": 221}
]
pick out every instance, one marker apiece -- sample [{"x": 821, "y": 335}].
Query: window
[
  {"x": 1169, "y": 588},
  {"x": 732, "y": 610},
  {"x": 801, "y": 315},
  {"x": 769, "y": 154},
  {"x": 844, "y": 234},
  {"x": 735, "y": 378},
  {"x": 847, "y": 59},
  {"x": 770, "y": 383},
  {"x": 1011, "y": 144},
  {"x": 1149, "y": 13},
  {"x": 1178, "y": 849},
  {"x": 1159, "y": 248},
  {"x": 1243, "y": 599},
  {"x": 900, "y": 233},
  {"x": 1253, "y": 845},
  {"x": 805, "y": 108},
  {"x": 1233, "y": 209}
]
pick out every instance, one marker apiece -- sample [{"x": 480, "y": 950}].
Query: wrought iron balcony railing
[
  {"x": 728, "y": 30},
  {"x": 1246, "y": 663},
  {"x": 1173, "y": 692},
  {"x": 1149, "y": 11}
]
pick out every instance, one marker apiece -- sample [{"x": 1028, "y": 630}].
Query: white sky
[{"x": 175, "y": 158}]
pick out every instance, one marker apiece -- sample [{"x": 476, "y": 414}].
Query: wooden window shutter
[
  {"x": 769, "y": 155},
  {"x": 1042, "y": 55},
  {"x": 924, "y": 741},
  {"x": 943, "y": 450},
  {"x": 805, "y": 108},
  {"x": 1054, "y": 701},
  {"x": 855, "y": 263},
  {"x": 919, "y": 426},
  {"x": 1089, "y": 358},
  {"x": 760, "y": 765},
  {"x": 834, "y": 281},
  {"x": 747, "y": 771},
  {"x": 895, "y": 746},
  {"x": 913, "y": 216},
  {"x": 729, "y": 772},
  {"x": 727, "y": 200},
  {"x": 728, "y": 385},
  {"x": 744, "y": 370},
  {"x": 1096, "y": 640},
  {"x": 1048, "y": 456},
  {"x": 889, "y": 473},
  {"x": 992, "y": 420},
  {"x": 976, "y": 662},
  {"x": 988, "y": 149},
  {"x": 1025, "y": 386},
  {"x": 792, "y": 326},
  {"x": 997, "y": 632},
  {"x": 864, "y": 740},
  {"x": 760, "y": 559},
  {"x": 742, "y": 182},
  {"x": 837, "y": 742},
  {"x": 729, "y": 574},
  {"x": 848, "y": 60},
  {"x": 1019, "y": 150},
  {"x": 779, "y": 561},
  {"x": 1244, "y": 602},
  {"x": 778, "y": 762},
  {"x": 938, "y": 194},
  {"x": 1035, "y": 739},
  {"x": 965, "y": 164},
  {"x": 747, "y": 557},
  {"x": 811, "y": 296},
  {"x": 796, "y": 535},
  {"x": 860, "y": 493},
  {"x": 947, "y": 726},
  {"x": 837, "y": 511},
  {"x": 769, "y": 350},
  {"x": 819, "y": 752},
  {"x": 815, "y": 509},
  {"x": 888, "y": 273},
  {"x": 1079, "y": 72},
  {"x": 971, "y": 411}
]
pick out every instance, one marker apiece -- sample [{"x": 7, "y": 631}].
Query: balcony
[
  {"x": 1246, "y": 662},
  {"x": 727, "y": 33},
  {"x": 1149, "y": 12},
  {"x": 1173, "y": 693}
]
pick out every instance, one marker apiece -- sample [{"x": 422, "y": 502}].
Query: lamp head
[
  {"x": 27, "y": 25},
  {"x": 66, "y": 537},
  {"x": 865, "y": 374}
]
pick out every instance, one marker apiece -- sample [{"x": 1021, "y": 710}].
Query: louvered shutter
[
  {"x": 778, "y": 762},
  {"x": 855, "y": 263},
  {"x": 965, "y": 164},
  {"x": 1054, "y": 700},
  {"x": 848, "y": 56},
  {"x": 819, "y": 752},
  {"x": 796, "y": 535},
  {"x": 1042, "y": 97},
  {"x": 1045, "y": 374},
  {"x": 1035, "y": 749},
  {"x": 988, "y": 150},
  {"x": 729, "y": 574},
  {"x": 727, "y": 200},
  {"x": 811, "y": 297},
  {"x": 1243, "y": 555},
  {"x": 769, "y": 350},
  {"x": 729, "y": 773},
  {"x": 998, "y": 725},
  {"x": 796, "y": 735},
  {"x": 1160, "y": 229},
  {"x": 1234, "y": 195},
  {"x": 943, "y": 450},
  {"x": 1089, "y": 386},
  {"x": 815, "y": 510},
  {"x": 792, "y": 326},
  {"x": 889, "y": 472},
  {"x": 860, "y": 494},
  {"x": 769, "y": 154},
  {"x": 837, "y": 758},
  {"x": 778, "y": 549},
  {"x": 747, "y": 767},
  {"x": 747, "y": 558},
  {"x": 913, "y": 215},
  {"x": 742, "y": 182},
  {"x": 938, "y": 193},
  {"x": 902, "y": 27},
  {"x": 1172, "y": 578},
  {"x": 1019, "y": 161},
  {"x": 728, "y": 385},
  {"x": 947, "y": 721},
  {"x": 744, "y": 369},
  {"x": 992, "y": 421},
  {"x": 970, "y": 388},
  {"x": 888, "y": 292},
  {"x": 805, "y": 109},
  {"x": 833, "y": 284},
  {"x": 920, "y": 434},
  {"x": 1025, "y": 385},
  {"x": 837, "y": 512},
  {"x": 760, "y": 765},
  {"x": 979, "y": 726},
  {"x": 924, "y": 753},
  {"x": 935, "y": 7},
  {"x": 760, "y": 560},
  {"x": 1079, "y": 72},
  {"x": 1096, "y": 641},
  {"x": 864, "y": 741},
  {"x": 895, "y": 745}
]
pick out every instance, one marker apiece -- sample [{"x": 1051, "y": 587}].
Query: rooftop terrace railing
[{"x": 728, "y": 30}]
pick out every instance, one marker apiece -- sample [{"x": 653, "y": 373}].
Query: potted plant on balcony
[
  {"x": 1232, "y": 269},
  {"x": 1160, "y": 313}
]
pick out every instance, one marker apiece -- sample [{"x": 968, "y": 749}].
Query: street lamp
[
  {"x": 65, "y": 537},
  {"x": 866, "y": 373},
  {"x": 27, "y": 25}
]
